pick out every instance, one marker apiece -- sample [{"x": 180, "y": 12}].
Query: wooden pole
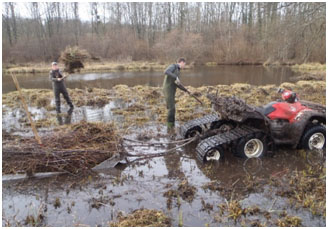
[{"x": 26, "y": 109}]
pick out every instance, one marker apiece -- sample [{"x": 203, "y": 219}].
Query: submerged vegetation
[{"x": 305, "y": 188}]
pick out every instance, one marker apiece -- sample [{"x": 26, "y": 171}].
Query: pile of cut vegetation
[
  {"x": 73, "y": 58},
  {"x": 143, "y": 218},
  {"x": 74, "y": 149}
]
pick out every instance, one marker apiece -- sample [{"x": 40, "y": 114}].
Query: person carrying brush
[
  {"x": 59, "y": 87},
  {"x": 172, "y": 74}
]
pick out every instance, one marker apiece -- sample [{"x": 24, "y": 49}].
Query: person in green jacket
[{"x": 172, "y": 74}]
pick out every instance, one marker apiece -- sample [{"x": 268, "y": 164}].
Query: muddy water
[
  {"x": 14, "y": 120},
  {"x": 97, "y": 198},
  {"x": 225, "y": 74}
]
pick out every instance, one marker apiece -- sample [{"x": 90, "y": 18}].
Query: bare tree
[
  {"x": 6, "y": 22},
  {"x": 13, "y": 18},
  {"x": 224, "y": 32},
  {"x": 76, "y": 28}
]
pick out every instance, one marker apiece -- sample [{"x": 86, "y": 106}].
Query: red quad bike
[{"x": 251, "y": 132}]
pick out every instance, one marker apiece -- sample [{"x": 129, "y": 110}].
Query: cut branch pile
[
  {"x": 80, "y": 147},
  {"x": 142, "y": 218},
  {"x": 230, "y": 107},
  {"x": 73, "y": 58}
]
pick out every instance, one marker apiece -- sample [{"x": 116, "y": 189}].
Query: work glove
[
  {"x": 177, "y": 81},
  {"x": 280, "y": 90}
]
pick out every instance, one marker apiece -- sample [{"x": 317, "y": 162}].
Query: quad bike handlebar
[{"x": 288, "y": 95}]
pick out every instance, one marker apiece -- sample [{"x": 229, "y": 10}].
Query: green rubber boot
[
  {"x": 171, "y": 130},
  {"x": 170, "y": 125}
]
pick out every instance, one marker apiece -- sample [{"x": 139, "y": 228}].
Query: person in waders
[
  {"x": 172, "y": 74},
  {"x": 59, "y": 87}
]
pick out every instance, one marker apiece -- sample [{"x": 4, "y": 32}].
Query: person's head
[
  {"x": 181, "y": 62},
  {"x": 54, "y": 66}
]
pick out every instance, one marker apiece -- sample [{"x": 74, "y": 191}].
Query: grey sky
[{"x": 84, "y": 10}]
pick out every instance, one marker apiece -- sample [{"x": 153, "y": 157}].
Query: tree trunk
[{"x": 13, "y": 17}]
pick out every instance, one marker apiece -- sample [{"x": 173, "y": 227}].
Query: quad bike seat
[{"x": 266, "y": 109}]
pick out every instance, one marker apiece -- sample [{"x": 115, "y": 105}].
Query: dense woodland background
[{"x": 202, "y": 32}]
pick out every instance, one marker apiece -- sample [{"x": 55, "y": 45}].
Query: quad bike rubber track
[
  {"x": 223, "y": 139},
  {"x": 204, "y": 123}
]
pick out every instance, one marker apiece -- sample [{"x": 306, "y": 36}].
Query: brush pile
[
  {"x": 230, "y": 107},
  {"x": 143, "y": 218},
  {"x": 74, "y": 149},
  {"x": 73, "y": 58}
]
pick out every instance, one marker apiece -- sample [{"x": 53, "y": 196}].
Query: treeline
[{"x": 221, "y": 32}]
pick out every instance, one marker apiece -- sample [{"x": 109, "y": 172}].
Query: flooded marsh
[{"x": 171, "y": 189}]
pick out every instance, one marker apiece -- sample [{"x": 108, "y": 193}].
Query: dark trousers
[
  {"x": 169, "y": 93},
  {"x": 62, "y": 90}
]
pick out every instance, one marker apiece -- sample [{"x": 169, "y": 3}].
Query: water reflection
[
  {"x": 252, "y": 166},
  {"x": 315, "y": 157},
  {"x": 94, "y": 114},
  {"x": 15, "y": 119},
  {"x": 225, "y": 74},
  {"x": 173, "y": 164},
  {"x": 67, "y": 118}
]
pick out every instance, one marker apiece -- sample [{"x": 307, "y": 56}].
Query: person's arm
[
  {"x": 169, "y": 71},
  {"x": 60, "y": 74},
  {"x": 51, "y": 78},
  {"x": 182, "y": 88}
]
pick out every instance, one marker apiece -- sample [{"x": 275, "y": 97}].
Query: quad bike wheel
[
  {"x": 314, "y": 138},
  {"x": 214, "y": 154},
  {"x": 251, "y": 146}
]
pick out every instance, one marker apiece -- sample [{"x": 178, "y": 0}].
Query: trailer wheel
[
  {"x": 193, "y": 132},
  {"x": 223, "y": 125},
  {"x": 252, "y": 146},
  {"x": 314, "y": 138},
  {"x": 214, "y": 154}
]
